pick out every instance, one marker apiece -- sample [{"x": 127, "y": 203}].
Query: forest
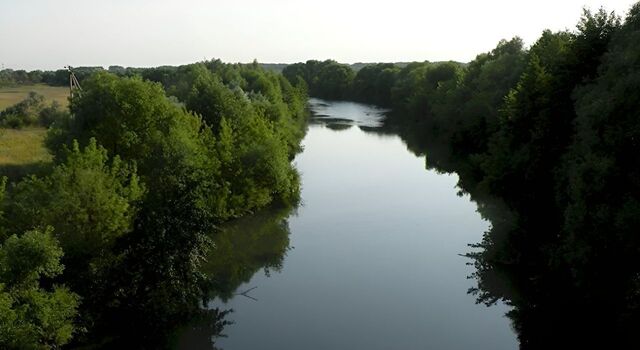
[
  {"x": 104, "y": 247},
  {"x": 545, "y": 139}
]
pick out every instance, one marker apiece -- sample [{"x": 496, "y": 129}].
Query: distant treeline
[
  {"x": 104, "y": 249},
  {"x": 547, "y": 140},
  {"x": 60, "y": 77},
  {"x": 373, "y": 83}
]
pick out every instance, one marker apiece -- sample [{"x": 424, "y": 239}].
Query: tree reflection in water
[
  {"x": 241, "y": 249},
  {"x": 562, "y": 295}
]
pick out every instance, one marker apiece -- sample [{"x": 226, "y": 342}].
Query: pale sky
[{"x": 40, "y": 34}]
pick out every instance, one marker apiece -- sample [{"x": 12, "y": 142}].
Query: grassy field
[
  {"x": 22, "y": 151},
  {"x": 12, "y": 95}
]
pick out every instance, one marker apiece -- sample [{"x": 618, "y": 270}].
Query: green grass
[
  {"x": 23, "y": 152},
  {"x": 11, "y": 95}
]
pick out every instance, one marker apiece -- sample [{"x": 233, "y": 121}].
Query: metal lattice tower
[{"x": 73, "y": 82}]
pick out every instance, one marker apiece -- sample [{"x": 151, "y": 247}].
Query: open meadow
[
  {"x": 10, "y": 95},
  {"x": 22, "y": 151}
]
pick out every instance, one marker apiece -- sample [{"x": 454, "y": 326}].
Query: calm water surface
[{"x": 370, "y": 259}]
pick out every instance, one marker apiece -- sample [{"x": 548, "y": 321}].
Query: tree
[
  {"x": 220, "y": 147},
  {"x": 154, "y": 278},
  {"x": 602, "y": 166},
  {"x": 89, "y": 200},
  {"x": 3, "y": 187},
  {"x": 328, "y": 79},
  {"x": 374, "y": 83},
  {"x": 23, "y": 113},
  {"x": 31, "y": 316},
  {"x": 487, "y": 80}
]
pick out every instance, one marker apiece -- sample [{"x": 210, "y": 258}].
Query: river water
[{"x": 369, "y": 260}]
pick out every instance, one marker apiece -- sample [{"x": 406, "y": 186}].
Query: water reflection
[
  {"x": 241, "y": 249},
  {"x": 376, "y": 270},
  {"x": 376, "y": 263},
  {"x": 336, "y": 113},
  {"x": 553, "y": 310},
  {"x": 555, "y": 305},
  {"x": 202, "y": 332},
  {"x": 592, "y": 303},
  {"x": 246, "y": 246}
]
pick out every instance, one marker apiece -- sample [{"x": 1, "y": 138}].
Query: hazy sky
[{"x": 39, "y": 34}]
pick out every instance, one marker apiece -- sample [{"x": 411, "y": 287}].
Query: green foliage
[
  {"x": 32, "y": 317},
  {"x": 89, "y": 200},
  {"x": 538, "y": 129},
  {"x": 3, "y": 187},
  {"x": 374, "y": 83},
  {"x": 327, "y": 79},
  {"x": 127, "y": 116},
  {"x": 219, "y": 148},
  {"x": 30, "y": 112},
  {"x": 245, "y": 246},
  {"x": 27, "y": 258},
  {"x": 487, "y": 80},
  {"x": 14, "y": 77},
  {"x": 549, "y": 136},
  {"x": 602, "y": 165},
  {"x": 546, "y": 140},
  {"x": 152, "y": 276},
  {"x": 23, "y": 113},
  {"x": 51, "y": 114},
  {"x": 254, "y": 158}
]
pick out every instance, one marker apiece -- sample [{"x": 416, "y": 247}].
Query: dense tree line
[
  {"x": 107, "y": 246},
  {"x": 545, "y": 138},
  {"x": 60, "y": 77},
  {"x": 325, "y": 79}
]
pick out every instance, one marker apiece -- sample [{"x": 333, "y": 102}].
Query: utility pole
[{"x": 73, "y": 82}]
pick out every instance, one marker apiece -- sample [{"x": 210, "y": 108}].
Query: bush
[{"x": 24, "y": 113}]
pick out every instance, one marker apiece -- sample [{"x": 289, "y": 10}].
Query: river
[{"x": 369, "y": 260}]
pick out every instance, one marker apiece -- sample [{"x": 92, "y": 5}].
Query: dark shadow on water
[
  {"x": 242, "y": 248},
  {"x": 593, "y": 303},
  {"x": 247, "y": 246},
  {"x": 329, "y": 120},
  {"x": 202, "y": 332},
  {"x": 339, "y": 126}
]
